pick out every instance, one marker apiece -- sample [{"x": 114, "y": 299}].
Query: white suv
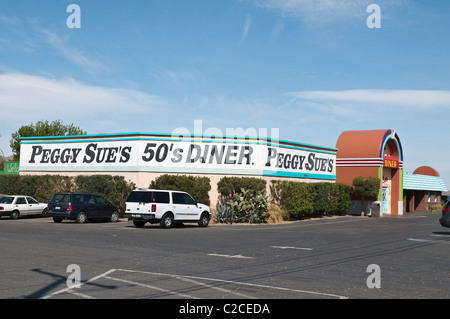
[{"x": 166, "y": 207}]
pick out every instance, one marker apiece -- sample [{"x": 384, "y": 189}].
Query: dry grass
[{"x": 276, "y": 215}]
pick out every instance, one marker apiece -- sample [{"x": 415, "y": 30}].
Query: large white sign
[{"x": 175, "y": 156}]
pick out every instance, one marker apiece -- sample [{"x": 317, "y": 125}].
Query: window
[
  {"x": 6, "y": 200},
  {"x": 78, "y": 199},
  {"x": 60, "y": 198},
  {"x": 161, "y": 197},
  {"x": 100, "y": 199},
  {"x": 188, "y": 200},
  {"x": 182, "y": 198},
  {"x": 89, "y": 199},
  {"x": 31, "y": 200},
  {"x": 177, "y": 198},
  {"x": 140, "y": 197},
  {"x": 21, "y": 201}
]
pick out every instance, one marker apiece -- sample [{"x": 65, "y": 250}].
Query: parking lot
[{"x": 322, "y": 258}]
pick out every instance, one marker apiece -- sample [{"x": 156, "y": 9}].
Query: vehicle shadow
[
  {"x": 442, "y": 233},
  {"x": 24, "y": 217},
  {"x": 157, "y": 226}
]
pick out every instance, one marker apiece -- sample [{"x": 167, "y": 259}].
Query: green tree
[
  {"x": 42, "y": 128},
  {"x": 365, "y": 188}
]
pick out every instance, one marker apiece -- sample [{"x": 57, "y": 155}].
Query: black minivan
[
  {"x": 445, "y": 218},
  {"x": 81, "y": 207}
]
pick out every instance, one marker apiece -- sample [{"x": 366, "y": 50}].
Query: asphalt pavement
[{"x": 348, "y": 257}]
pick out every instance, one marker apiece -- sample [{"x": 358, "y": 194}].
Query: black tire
[
  {"x": 138, "y": 223},
  {"x": 204, "y": 220},
  {"x": 81, "y": 218},
  {"x": 57, "y": 220},
  {"x": 44, "y": 212},
  {"x": 167, "y": 221},
  {"x": 114, "y": 217},
  {"x": 15, "y": 214}
]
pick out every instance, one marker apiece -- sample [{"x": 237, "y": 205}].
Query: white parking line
[
  {"x": 429, "y": 241},
  {"x": 192, "y": 279},
  {"x": 70, "y": 290},
  {"x": 231, "y": 256},
  {"x": 151, "y": 287},
  {"x": 288, "y": 247},
  {"x": 239, "y": 283},
  {"x": 79, "y": 294},
  {"x": 215, "y": 288}
]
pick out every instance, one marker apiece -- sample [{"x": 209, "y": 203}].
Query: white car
[
  {"x": 165, "y": 207},
  {"x": 17, "y": 205}
]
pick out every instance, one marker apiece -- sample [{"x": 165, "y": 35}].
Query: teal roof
[{"x": 424, "y": 182}]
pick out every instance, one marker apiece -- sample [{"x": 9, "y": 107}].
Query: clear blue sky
[{"x": 310, "y": 68}]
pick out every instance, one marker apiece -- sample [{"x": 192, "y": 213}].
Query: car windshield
[
  {"x": 140, "y": 197},
  {"x": 60, "y": 198},
  {"x": 6, "y": 200}
]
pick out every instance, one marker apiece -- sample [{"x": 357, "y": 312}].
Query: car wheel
[
  {"x": 167, "y": 221},
  {"x": 15, "y": 214},
  {"x": 138, "y": 223},
  {"x": 57, "y": 220},
  {"x": 114, "y": 217},
  {"x": 204, "y": 220},
  {"x": 81, "y": 218},
  {"x": 44, "y": 212}
]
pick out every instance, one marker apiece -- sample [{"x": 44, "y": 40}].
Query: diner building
[{"x": 142, "y": 157}]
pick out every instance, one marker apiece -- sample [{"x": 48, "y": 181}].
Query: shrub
[
  {"x": 249, "y": 206},
  {"x": 42, "y": 187},
  {"x": 51, "y": 184},
  {"x": 366, "y": 188},
  {"x": 198, "y": 187},
  {"x": 299, "y": 200},
  {"x": 115, "y": 188},
  {"x": 344, "y": 198},
  {"x": 224, "y": 214},
  {"x": 9, "y": 184},
  {"x": 228, "y": 186},
  {"x": 296, "y": 198},
  {"x": 322, "y": 198}
]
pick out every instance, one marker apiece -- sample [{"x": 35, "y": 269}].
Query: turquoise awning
[{"x": 424, "y": 182}]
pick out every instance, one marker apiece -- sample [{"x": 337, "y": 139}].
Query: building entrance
[{"x": 385, "y": 199}]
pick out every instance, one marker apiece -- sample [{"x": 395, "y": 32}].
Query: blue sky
[{"x": 309, "y": 68}]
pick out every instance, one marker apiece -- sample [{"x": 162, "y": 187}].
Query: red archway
[{"x": 373, "y": 153}]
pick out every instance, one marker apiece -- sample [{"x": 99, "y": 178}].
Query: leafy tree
[
  {"x": 42, "y": 128},
  {"x": 366, "y": 187}
]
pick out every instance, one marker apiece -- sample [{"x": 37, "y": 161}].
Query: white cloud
[
  {"x": 182, "y": 76},
  {"x": 73, "y": 55},
  {"x": 419, "y": 99},
  {"x": 31, "y": 98},
  {"x": 321, "y": 12},
  {"x": 30, "y": 36},
  {"x": 246, "y": 28},
  {"x": 277, "y": 30}
]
